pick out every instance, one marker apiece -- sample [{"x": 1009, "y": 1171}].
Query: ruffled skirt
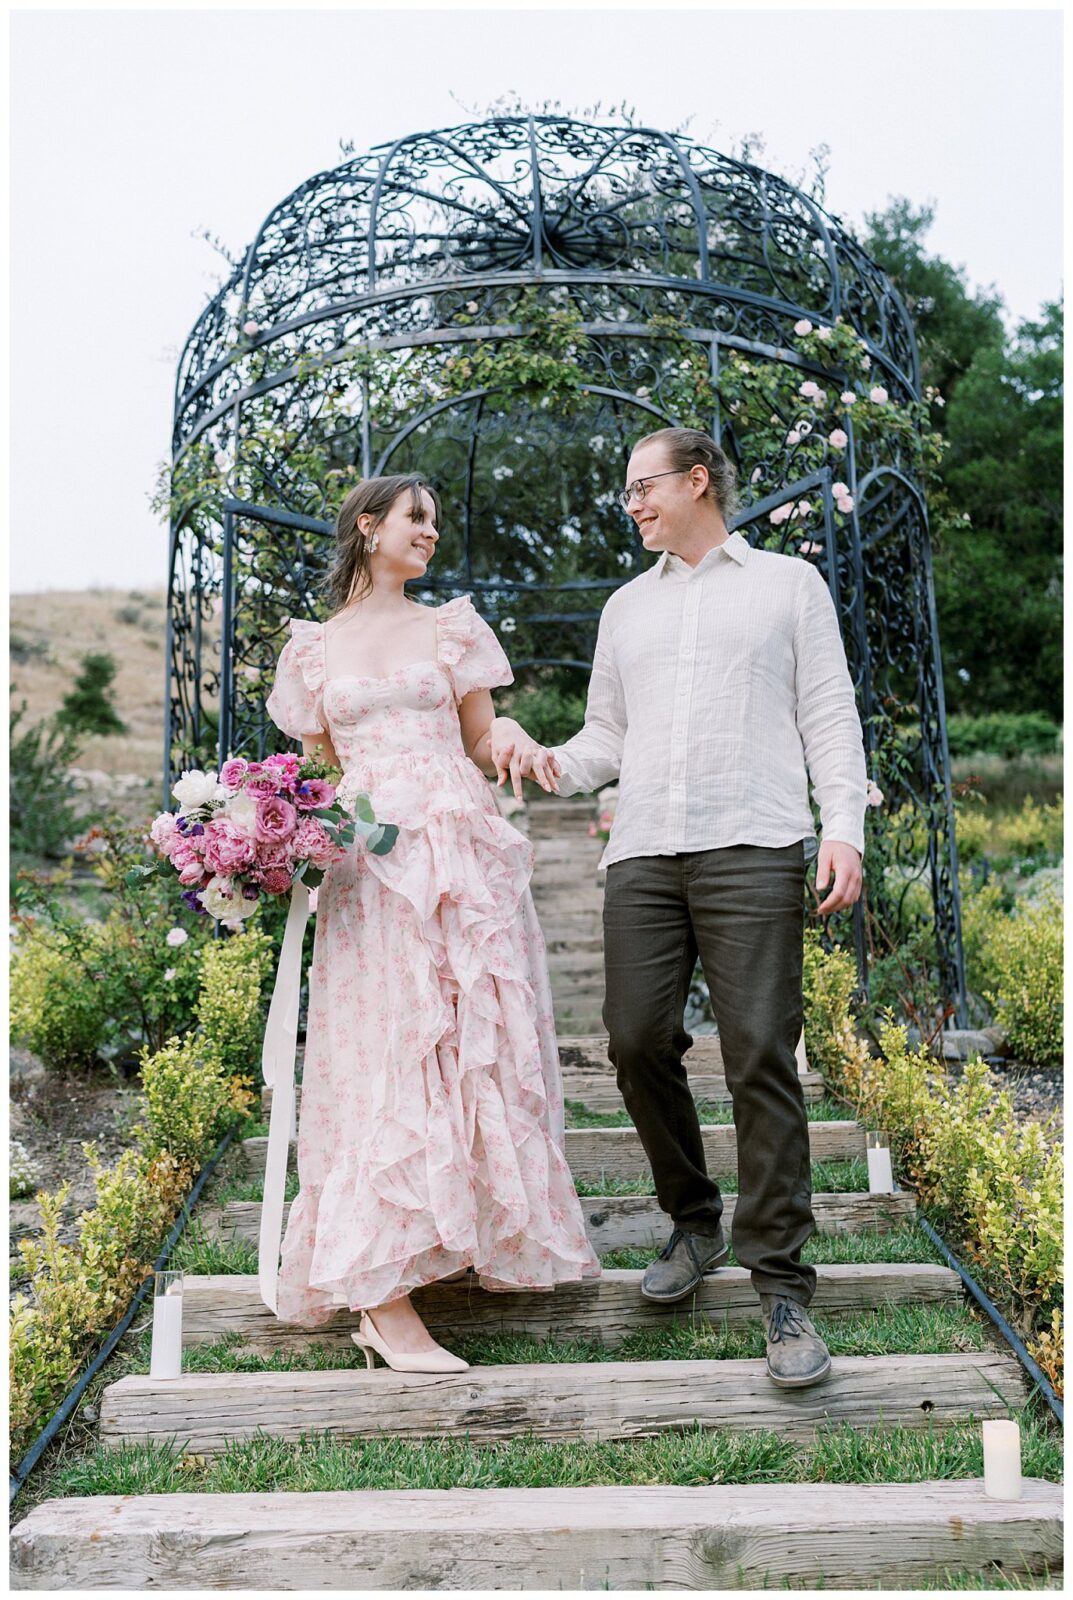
[{"x": 431, "y": 1131}]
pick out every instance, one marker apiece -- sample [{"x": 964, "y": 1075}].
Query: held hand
[
  {"x": 846, "y": 864},
  {"x": 515, "y": 754}
]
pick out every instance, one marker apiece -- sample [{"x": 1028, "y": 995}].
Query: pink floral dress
[{"x": 431, "y": 1131}]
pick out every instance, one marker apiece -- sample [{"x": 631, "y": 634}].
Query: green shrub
[
  {"x": 1024, "y": 954},
  {"x": 189, "y": 1100},
  {"x": 1004, "y": 733},
  {"x": 78, "y": 1291},
  {"x": 21, "y": 1170},
  {"x": 57, "y": 1009},
  {"x": 88, "y": 706},
  {"x": 233, "y": 972},
  {"x": 549, "y": 714},
  {"x": 43, "y": 820}
]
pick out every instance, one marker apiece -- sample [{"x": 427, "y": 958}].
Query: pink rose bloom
[
  {"x": 232, "y": 772},
  {"x": 182, "y": 852},
  {"x": 163, "y": 831},
  {"x": 275, "y": 819},
  {"x": 192, "y": 872},
  {"x": 227, "y": 849},
  {"x": 286, "y": 764},
  {"x": 839, "y": 438},
  {"x": 276, "y": 881},
  {"x": 314, "y": 793},
  {"x": 263, "y": 783},
  {"x": 314, "y": 842}
]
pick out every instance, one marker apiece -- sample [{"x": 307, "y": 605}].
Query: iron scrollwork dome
[{"x": 320, "y": 359}]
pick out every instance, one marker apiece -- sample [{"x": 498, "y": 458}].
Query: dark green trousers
[{"x": 742, "y": 909}]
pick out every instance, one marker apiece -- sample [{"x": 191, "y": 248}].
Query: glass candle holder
[
  {"x": 1002, "y": 1459},
  {"x": 166, "y": 1360},
  {"x": 880, "y": 1171}
]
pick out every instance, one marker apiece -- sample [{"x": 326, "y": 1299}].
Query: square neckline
[{"x": 380, "y": 677}]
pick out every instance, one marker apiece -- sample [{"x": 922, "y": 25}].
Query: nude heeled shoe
[{"x": 368, "y": 1339}]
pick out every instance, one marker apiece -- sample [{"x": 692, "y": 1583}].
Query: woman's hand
[{"x": 515, "y": 754}]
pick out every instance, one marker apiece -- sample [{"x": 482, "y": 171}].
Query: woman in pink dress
[{"x": 431, "y": 1133}]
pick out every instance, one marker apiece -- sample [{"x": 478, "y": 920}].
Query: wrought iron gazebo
[{"x": 505, "y": 306}]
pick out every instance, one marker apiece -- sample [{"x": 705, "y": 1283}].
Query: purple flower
[
  {"x": 249, "y": 891},
  {"x": 196, "y": 828},
  {"x": 189, "y": 897}
]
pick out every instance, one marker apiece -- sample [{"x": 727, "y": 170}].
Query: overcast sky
[{"x": 134, "y": 130}]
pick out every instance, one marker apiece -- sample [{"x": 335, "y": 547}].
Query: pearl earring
[{"x": 374, "y": 543}]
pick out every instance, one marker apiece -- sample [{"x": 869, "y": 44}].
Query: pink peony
[
  {"x": 192, "y": 872},
  {"x": 227, "y": 848},
  {"x": 314, "y": 842},
  {"x": 163, "y": 831},
  {"x": 232, "y": 772},
  {"x": 181, "y": 852}
]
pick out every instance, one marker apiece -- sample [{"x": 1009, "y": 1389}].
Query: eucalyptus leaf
[{"x": 385, "y": 839}]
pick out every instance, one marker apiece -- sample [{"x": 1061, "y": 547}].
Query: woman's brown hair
[{"x": 349, "y": 577}]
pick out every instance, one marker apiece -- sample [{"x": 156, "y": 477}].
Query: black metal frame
[{"x": 425, "y": 244}]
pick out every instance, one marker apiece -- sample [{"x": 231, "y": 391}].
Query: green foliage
[
  {"x": 101, "y": 989},
  {"x": 550, "y": 714},
  {"x": 1023, "y": 955},
  {"x": 43, "y": 820},
  {"x": 88, "y": 707},
  {"x": 77, "y": 1291},
  {"x": 233, "y": 972},
  {"x": 1004, "y": 733},
  {"x": 190, "y": 1099},
  {"x": 57, "y": 1009}
]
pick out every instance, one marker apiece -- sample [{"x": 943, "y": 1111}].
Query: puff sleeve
[
  {"x": 470, "y": 650},
  {"x": 296, "y": 703}
]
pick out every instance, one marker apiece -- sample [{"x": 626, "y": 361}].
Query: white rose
[
  {"x": 169, "y": 975},
  {"x": 878, "y": 395},
  {"x": 823, "y": 333},
  {"x": 848, "y": 398},
  {"x": 804, "y": 326},
  {"x": 175, "y": 937},
  {"x": 241, "y": 811},
  {"x": 195, "y": 788},
  {"x": 251, "y": 328},
  {"x": 221, "y": 899}
]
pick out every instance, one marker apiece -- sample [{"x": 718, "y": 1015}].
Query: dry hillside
[{"x": 51, "y": 631}]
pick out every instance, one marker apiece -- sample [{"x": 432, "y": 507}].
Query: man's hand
[
  {"x": 516, "y": 755},
  {"x": 846, "y": 864}
]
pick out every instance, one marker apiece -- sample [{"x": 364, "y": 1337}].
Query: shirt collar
[{"x": 735, "y": 546}]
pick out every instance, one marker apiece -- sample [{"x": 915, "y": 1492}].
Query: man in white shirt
[{"x": 719, "y": 676}]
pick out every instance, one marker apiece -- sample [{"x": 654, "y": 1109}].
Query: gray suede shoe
[
  {"x": 682, "y": 1263},
  {"x": 796, "y": 1355}
]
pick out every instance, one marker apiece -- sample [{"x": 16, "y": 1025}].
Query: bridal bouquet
[{"x": 255, "y": 829}]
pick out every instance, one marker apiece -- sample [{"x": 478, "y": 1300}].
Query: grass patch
[
  {"x": 907, "y": 1243},
  {"x": 828, "y": 1177},
  {"x": 209, "y": 1256},
  {"x": 710, "y": 1113},
  {"x": 319, "y": 1462}
]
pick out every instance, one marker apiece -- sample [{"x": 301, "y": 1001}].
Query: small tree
[{"x": 88, "y": 707}]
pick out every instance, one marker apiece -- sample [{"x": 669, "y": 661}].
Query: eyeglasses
[{"x": 637, "y": 487}]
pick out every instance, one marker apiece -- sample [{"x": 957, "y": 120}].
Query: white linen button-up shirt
[{"x": 717, "y": 691}]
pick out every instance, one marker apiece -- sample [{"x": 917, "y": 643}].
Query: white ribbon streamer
[{"x": 277, "y": 1064}]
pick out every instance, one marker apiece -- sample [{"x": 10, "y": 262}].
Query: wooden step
[
  {"x": 598, "y": 1091},
  {"x": 204, "y": 1411},
  {"x": 598, "y": 1153},
  {"x": 710, "y": 1537},
  {"x": 635, "y": 1221},
  {"x": 609, "y": 1308}
]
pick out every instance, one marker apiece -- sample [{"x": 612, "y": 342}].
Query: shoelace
[
  {"x": 785, "y": 1314},
  {"x": 669, "y": 1248}
]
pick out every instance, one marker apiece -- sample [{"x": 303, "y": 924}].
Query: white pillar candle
[
  {"x": 802, "y": 1058},
  {"x": 166, "y": 1360},
  {"x": 880, "y": 1172},
  {"x": 1002, "y": 1459}
]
